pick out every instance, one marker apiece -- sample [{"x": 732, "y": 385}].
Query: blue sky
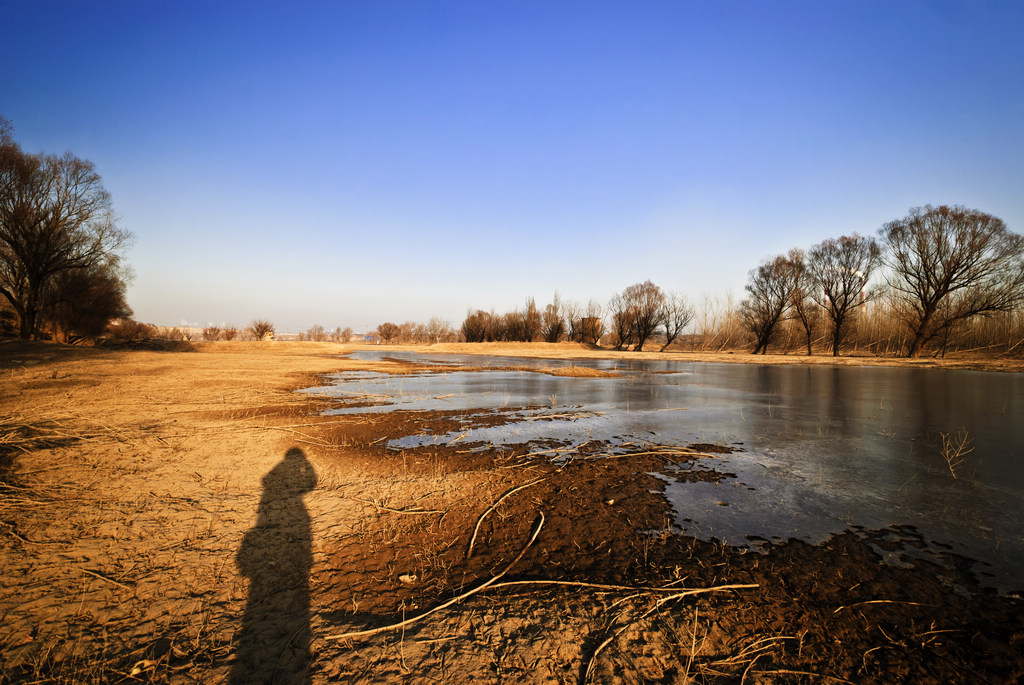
[{"x": 347, "y": 163}]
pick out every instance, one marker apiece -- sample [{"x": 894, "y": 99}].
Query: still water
[{"x": 820, "y": 449}]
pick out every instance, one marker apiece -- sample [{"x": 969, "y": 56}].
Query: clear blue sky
[{"x": 346, "y": 163}]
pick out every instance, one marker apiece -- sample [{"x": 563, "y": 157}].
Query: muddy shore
[{"x": 187, "y": 517}]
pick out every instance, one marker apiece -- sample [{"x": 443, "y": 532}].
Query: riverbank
[{"x": 152, "y": 503}]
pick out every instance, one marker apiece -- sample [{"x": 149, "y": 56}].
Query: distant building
[{"x": 371, "y": 339}]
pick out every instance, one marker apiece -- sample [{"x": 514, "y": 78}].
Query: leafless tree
[
  {"x": 261, "y": 329},
  {"x": 947, "y": 264},
  {"x": 531, "y": 321},
  {"x": 646, "y": 303},
  {"x": 316, "y": 334},
  {"x": 80, "y": 303},
  {"x": 514, "y": 328},
  {"x": 475, "y": 326},
  {"x": 571, "y": 316},
  {"x": 346, "y": 334},
  {"x": 622, "y": 321},
  {"x": 769, "y": 297},
  {"x": 805, "y": 309},
  {"x": 55, "y": 217},
  {"x": 230, "y": 332},
  {"x": 677, "y": 315},
  {"x": 211, "y": 333},
  {"x": 388, "y": 331},
  {"x": 592, "y": 323},
  {"x": 439, "y": 330},
  {"x": 553, "y": 321},
  {"x": 840, "y": 269}
]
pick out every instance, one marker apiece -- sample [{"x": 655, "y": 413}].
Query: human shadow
[{"x": 276, "y": 555}]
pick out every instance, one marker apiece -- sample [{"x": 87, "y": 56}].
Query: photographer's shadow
[{"x": 276, "y": 556}]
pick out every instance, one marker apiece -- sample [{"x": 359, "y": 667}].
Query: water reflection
[{"x": 824, "y": 448}]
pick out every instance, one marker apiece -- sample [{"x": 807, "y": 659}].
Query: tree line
[
  {"x": 636, "y": 316},
  {"x": 61, "y": 264},
  {"x": 941, "y": 276},
  {"x": 941, "y": 271}
]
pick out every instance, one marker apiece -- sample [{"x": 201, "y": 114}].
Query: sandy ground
[{"x": 187, "y": 517}]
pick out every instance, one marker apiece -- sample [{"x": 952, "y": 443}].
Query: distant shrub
[{"x": 261, "y": 329}]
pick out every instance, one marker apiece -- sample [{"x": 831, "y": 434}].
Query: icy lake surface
[{"x": 819, "y": 449}]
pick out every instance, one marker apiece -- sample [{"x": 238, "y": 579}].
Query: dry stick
[
  {"x": 103, "y": 577},
  {"x": 598, "y": 586},
  {"x": 454, "y": 600},
  {"x": 880, "y": 601},
  {"x": 491, "y": 508}
]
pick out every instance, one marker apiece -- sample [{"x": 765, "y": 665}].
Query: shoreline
[{"x": 144, "y": 474}]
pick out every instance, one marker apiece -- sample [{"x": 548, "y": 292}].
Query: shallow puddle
[{"x": 819, "y": 449}]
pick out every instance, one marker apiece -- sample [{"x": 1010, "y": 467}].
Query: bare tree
[
  {"x": 230, "y": 332},
  {"x": 261, "y": 329},
  {"x": 316, "y": 334},
  {"x": 805, "y": 309},
  {"x": 636, "y": 313},
  {"x": 475, "y": 327},
  {"x": 55, "y": 217},
  {"x": 553, "y": 321},
  {"x": 592, "y": 323},
  {"x": 646, "y": 302},
  {"x": 211, "y": 333},
  {"x": 676, "y": 316},
  {"x": 514, "y": 327},
  {"x": 531, "y": 321},
  {"x": 770, "y": 295},
  {"x": 81, "y": 303},
  {"x": 438, "y": 330},
  {"x": 840, "y": 269},
  {"x": 948, "y": 264},
  {"x": 622, "y": 321},
  {"x": 571, "y": 317},
  {"x": 388, "y": 331}
]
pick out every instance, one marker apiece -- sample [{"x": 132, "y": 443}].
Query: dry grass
[{"x": 574, "y": 371}]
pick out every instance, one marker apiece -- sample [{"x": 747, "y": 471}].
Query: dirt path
[{"x": 186, "y": 517}]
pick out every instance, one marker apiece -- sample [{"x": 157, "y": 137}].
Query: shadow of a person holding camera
[{"x": 276, "y": 555}]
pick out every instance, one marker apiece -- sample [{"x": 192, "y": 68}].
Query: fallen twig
[
  {"x": 106, "y": 578},
  {"x": 880, "y": 601},
  {"x": 454, "y": 600},
  {"x": 469, "y": 550}
]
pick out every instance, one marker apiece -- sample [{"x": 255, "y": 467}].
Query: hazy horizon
[{"x": 346, "y": 164}]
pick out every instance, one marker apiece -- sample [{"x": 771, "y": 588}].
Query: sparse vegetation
[
  {"x": 955, "y": 448},
  {"x": 261, "y": 329}
]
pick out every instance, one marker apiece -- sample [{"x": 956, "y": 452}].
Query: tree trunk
[{"x": 27, "y": 324}]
